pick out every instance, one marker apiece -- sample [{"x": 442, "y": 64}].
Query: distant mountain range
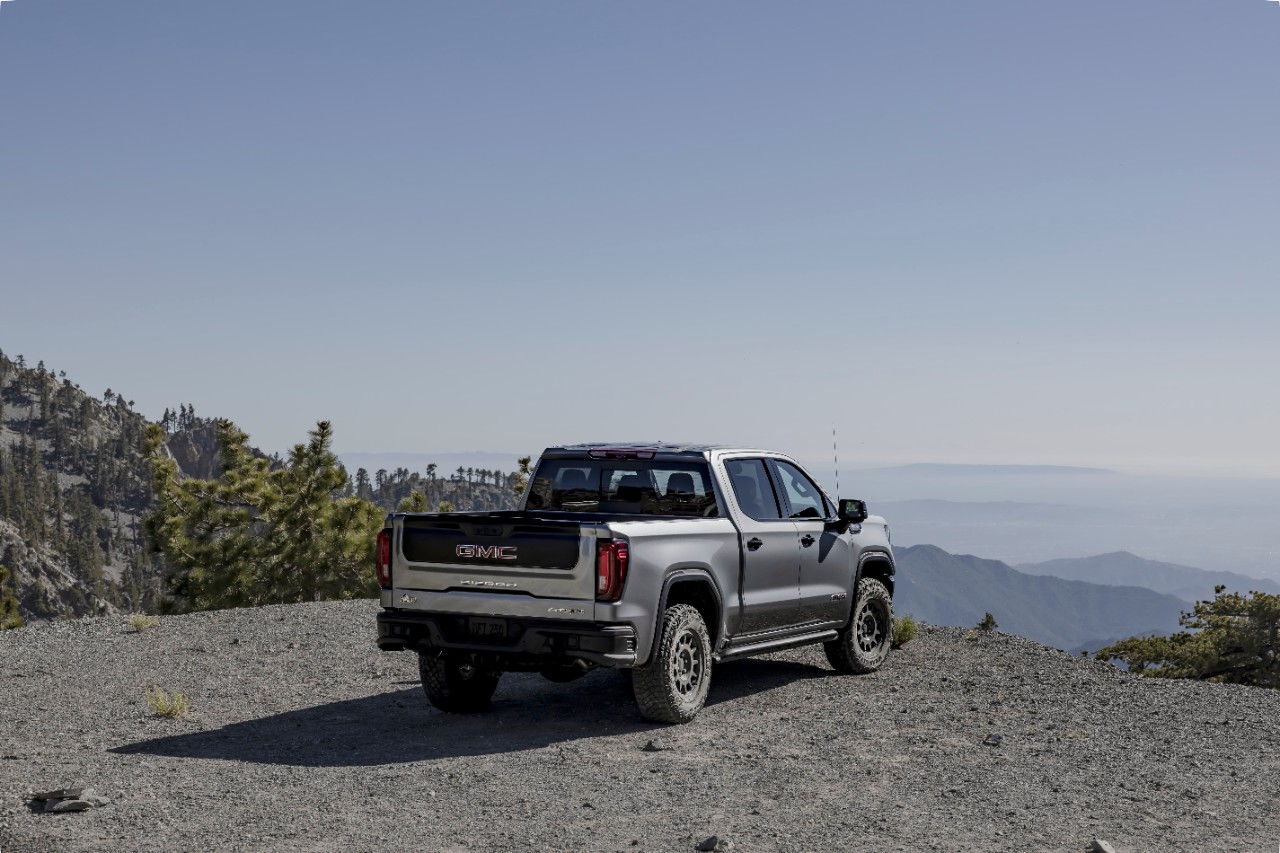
[
  {"x": 951, "y": 589},
  {"x": 1121, "y": 568},
  {"x": 1232, "y": 538},
  {"x": 937, "y": 468}
]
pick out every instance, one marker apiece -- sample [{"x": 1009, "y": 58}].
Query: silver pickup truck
[{"x": 656, "y": 559}]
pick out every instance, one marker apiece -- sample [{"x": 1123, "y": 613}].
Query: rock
[
  {"x": 61, "y": 794},
  {"x": 68, "y": 806},
  {"x": 652, "y": 747},
  {"x": 993, "y": 740},
  {"x": 707, "y": 844},
  {"x": 1100, "y": 846}
]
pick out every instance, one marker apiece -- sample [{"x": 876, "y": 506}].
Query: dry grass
[
  {"x": 905, "y": 629},
  {"x": 139, "y": 622},
  {"x": 163, "y": 704}
]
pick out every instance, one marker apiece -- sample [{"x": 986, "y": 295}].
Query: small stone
[
  {"x": 94, "y": 799},
  {"x": 651, "y": 747},
  {"x": 69, "y": 806},
  {"x": 708, "y": 844},
  {"x": 1100, "y": 846},
  {"x": 993, "y": 740}
]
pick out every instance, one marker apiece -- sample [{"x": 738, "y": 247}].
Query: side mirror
[{"x": 852, "y": 511}]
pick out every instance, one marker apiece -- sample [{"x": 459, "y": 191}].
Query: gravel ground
[{"x": 304, "y": 737}]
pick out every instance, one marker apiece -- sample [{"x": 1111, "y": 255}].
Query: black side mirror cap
[{"x": 852, "y": 511}]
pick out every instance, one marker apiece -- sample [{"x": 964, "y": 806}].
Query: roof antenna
[{"x": 835, "y": 454}]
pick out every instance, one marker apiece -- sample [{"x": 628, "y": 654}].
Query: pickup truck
[{"x": 656, "y": 559}]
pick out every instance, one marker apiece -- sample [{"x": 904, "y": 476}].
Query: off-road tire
[
  {"x": 457, "y": 683},
  {"x": 673, "y": 685},
  {"x": 864, "y": 643}
]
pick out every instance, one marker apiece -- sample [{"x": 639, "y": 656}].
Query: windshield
[{"x": 625, "y": 486}]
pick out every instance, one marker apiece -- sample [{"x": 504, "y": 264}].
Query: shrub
[
  {"x": 164, "y": 705},
  {"x": 904, "y": 630},
  {"x": 988, "y": 623},
  {"x": 140, "y": 622}
]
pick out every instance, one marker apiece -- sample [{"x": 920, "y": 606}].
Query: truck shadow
[{"x": 400, "y": 727}]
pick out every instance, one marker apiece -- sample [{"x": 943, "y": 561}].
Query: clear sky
[{"x": 996, "y": 231}]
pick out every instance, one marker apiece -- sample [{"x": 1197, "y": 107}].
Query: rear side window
[
  {"x": 751, "y": 488},
  {"x": 625, "y": 486}
]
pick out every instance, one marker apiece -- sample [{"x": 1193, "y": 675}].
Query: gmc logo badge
[{"x": 487, "y": 552}]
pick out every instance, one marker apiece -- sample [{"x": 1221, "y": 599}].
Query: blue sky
[{"x": 998, "y": 232}]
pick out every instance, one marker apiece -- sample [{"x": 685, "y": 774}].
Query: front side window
[
  {"x": 625, "y": 486},
  {"x": 804, "y": 498}
]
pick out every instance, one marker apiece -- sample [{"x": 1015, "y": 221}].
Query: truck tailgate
[{"x": 525, "y": 557}]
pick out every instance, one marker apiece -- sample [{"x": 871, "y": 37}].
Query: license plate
[{"x": 487, "y": 628}]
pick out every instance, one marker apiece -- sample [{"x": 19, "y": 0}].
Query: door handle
[
  {"x": 754, "y": 544},
  {"x": 807, "y": 540}
]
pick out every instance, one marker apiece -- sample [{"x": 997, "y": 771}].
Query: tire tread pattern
[
  {"x": 652, "y": 685},
  {"x": 843, "y": 653}
]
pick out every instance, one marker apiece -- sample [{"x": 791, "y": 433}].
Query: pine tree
[
  {"x": 520, "y": 479},
  {"x": 259, "y": 535},
  {"x": 1234, "y": 638},
  {"x": 9, "y": 617},
  {"x": 415, "y": 502}
]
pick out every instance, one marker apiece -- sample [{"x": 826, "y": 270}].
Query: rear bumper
[{"x": 532, "y": 641}]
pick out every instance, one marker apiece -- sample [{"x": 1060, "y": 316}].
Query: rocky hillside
[
  {"x": 302, "y": 736},
  {"x": 74, "y": 487}
]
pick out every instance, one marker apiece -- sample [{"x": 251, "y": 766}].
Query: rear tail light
[
  {"x": 383, "y": 564},
  {"x": 611, "y": 569}
]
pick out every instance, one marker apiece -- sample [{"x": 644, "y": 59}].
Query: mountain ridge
[
  {"x": 958, "y": 589},
  {"x": 1124, "y": 568}
]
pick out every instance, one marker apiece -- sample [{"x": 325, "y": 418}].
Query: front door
[
  {"x": 825, "y": 556},
  {"x": 771, "y": 561}
]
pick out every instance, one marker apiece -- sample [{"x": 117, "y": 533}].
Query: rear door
[
  {"x": 825, "y": 556},
  {"x": 771, "y": 562},
  {"x": 527, "y": 557}
]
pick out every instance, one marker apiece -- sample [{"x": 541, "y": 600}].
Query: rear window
[{"x": 625, "y": 486}]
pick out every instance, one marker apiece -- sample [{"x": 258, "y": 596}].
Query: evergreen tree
[
  {"x": 258, "y": 535},
  {"x": 520, "y": 479},
  {"x": 415, "y": 502},
  {"x": 1233, "y": 638},
  {"x": 9, "y": 617}
]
